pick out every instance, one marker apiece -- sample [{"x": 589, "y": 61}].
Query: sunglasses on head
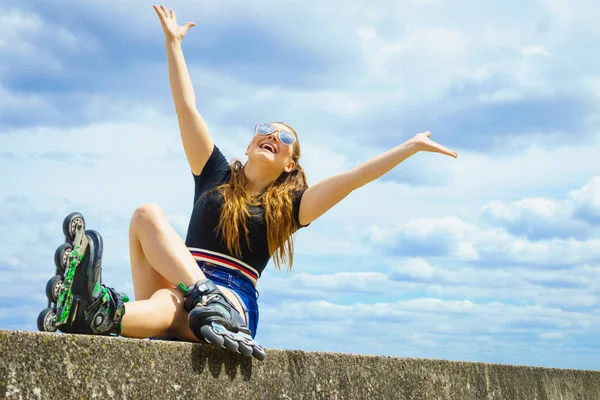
[{"x": 267, "y": 129}]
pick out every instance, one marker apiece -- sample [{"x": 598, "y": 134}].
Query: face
[{"x": 270, "y": 150}]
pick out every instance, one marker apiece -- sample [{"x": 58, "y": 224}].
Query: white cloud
[
  {"x": 31, "y": 42},
  {"x": 541, "y": 208},
  {"x": 415, "y": 268},
  {"x": 587, "y": 201},
  {"x": 551, "y": 335},
  {"x": 534, "y": 51},
  {"x": 462, "y": 241},
  {"x": 16, "y": 104},
  {"x": 572, "y": 216},
  {"x": 567, "y": 288},
  {"x": 566, "y": 14},
  {"x": 428, "y": 236},
  {"x": 278, "y": 287},
  {"x": 15, "y": 26},
  {"x": 537, "y": 218},
  {"x": 523, "y": 242},
  {"x": 415, "y": 60}
]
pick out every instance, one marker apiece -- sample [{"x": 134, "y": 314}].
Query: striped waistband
[{"x": 225, "y": 261}]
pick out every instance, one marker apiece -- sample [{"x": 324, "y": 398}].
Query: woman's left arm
[{"x": 322, "y": 196}]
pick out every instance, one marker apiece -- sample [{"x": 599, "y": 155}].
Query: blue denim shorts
[{"x": 240, "y": 285}]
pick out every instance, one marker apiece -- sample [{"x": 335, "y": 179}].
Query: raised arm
[
  {"x": 195, "y": 137},
  {"x": 321, "y": 197}
]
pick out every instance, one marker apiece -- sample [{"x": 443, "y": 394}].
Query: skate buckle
[{"x": 182, "y": 288}]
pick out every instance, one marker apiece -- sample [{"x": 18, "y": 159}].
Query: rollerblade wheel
[
  {"x": 245, "y": 350},
  {"x": 53, "y": 288},
  {"x": 259, "y": 353},
  {"x": 45, "y": 321},
  {"x": 70, "y": 224},
  {"x": 211, "y": 336},
  {"x": 61, "y": 257},
  {"x": 230, "y": 344}
]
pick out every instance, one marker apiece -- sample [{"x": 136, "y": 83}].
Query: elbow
[
  {"x": 354, "y": 180},
  {"x": 350, "y": 182}
]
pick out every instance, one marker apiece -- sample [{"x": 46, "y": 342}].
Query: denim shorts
[{"x": 240, "y": 285}]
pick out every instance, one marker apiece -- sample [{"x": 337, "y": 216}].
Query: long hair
[{"x": 277, "y": 202}]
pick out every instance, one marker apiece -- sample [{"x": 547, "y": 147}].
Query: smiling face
[{"x": 271, "y": 153}]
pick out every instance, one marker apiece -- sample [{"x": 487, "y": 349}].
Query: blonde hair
[{"x": 277, "y": 201}]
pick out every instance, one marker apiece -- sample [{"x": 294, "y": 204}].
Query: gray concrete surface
[{"x": 56, "y": 366}]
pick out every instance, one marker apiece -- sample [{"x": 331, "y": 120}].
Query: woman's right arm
[
  {"x": 196, "y": 139},
  {"x": 197, "y": 143}
]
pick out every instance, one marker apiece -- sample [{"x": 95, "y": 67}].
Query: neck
[{"x": 257, "y": 178}]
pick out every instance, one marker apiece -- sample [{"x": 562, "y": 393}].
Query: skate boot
[
  {"x": 215, "y": 320},
  {"x": 78, "y": 302}
]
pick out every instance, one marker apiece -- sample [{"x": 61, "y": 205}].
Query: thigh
[{"x": 146, "y": 280}]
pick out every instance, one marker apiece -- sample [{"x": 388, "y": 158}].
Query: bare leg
[
  {"x": 162, "y": 305},
  {"x": 154, "y": 243},
  {"x": 160, "y": 260},
  {"x": 168, "y": 317}
]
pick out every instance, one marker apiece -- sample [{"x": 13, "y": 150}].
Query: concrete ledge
[{"x": 55, "y": 366}]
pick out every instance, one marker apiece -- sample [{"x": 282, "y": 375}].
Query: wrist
[
  {"x": 413, "y": 145},
  {"x": 173, "y": 42}
]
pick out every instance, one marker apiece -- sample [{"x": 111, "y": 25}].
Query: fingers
[
  {"x": 446, "y": 151},
  {"x": 438, "y": 148},
  {"x": 452, "y": 154},
  {"x": 164, "y": 10},
  {"x": 158, "y": 12}
]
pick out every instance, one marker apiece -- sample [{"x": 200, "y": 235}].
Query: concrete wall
[{"x": 56, "y": 366}]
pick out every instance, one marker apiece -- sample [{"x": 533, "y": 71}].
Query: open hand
[
  {"x": 423, "y": 143},
  {"x": 168, "y": 20}
]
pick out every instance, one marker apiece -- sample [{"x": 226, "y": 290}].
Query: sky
[{"x": 491, "y": 257}]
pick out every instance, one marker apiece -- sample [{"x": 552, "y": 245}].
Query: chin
[{"x": 262, "y": 158}]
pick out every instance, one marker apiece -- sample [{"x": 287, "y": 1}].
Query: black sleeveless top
[{"x": 202, "y": 233}]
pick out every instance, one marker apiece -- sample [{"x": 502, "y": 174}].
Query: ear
[{"x": 290, "y": 167}]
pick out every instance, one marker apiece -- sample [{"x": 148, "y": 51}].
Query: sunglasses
[{"x": 267, "y": 129}]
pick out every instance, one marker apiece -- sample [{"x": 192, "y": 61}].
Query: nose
[{"x": 274, "y": 136}]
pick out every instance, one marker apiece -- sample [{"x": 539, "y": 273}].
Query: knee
[
  {"x": 172, "y": 308},
  {"x": 168, "y": 293},
  {"x": 170, "y": 300},
  {"x": 147, "y": 215}
]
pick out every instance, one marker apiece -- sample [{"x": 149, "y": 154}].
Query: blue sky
[{"x": 491, "y": 257}]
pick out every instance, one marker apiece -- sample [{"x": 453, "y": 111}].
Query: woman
[{"x": 203, "y": 289}]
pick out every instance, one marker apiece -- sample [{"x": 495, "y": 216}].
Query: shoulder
[
  {"x": 216, "y": 163},
  {"x": 215, "y": 172},
  {"x": 296, "y": 201}
]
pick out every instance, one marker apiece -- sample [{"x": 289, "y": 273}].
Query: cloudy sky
[{"x": 493, "y": 257}]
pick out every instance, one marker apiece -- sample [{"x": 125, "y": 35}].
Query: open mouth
[{"x": 268, "y": 147}]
